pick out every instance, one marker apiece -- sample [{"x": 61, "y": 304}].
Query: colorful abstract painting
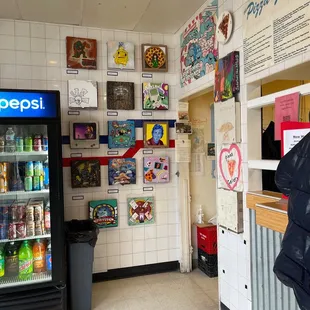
[
  {"x": 122, "y": 171},
  {"x": 141, "y": 211},
  {"x": 154, "y": 58},
  {"x": 227, "y": 79},
  {"x": 120, "y": 95},
  {"x": 155, "y": 96},
  {"x": 199, "y": 48},
  {"x": 121, "y": 55},
  {"x": 81, "y": 53},
  {"x": 156, "y": 169},
  {"x": 122, "y": 134},
  {"x": 104, "y": 213},
  {"x": 85, "y": 173}
]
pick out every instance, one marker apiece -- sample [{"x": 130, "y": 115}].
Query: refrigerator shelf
[
  {"x": 25, "y": 194},
  {"x": 27, "y": 238},
  {"x": 26, "y": 154},
  {"x": 15, "y": 281}
]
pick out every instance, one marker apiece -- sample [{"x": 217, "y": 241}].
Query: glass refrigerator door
[{"x": 25, "y": 239}]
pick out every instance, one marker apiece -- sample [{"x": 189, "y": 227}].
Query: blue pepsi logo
[{"x": 21, "y": 105}]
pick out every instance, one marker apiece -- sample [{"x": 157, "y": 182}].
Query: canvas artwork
[
  {"x": 82, "y": 94},
  {"x": 227, "y": 80},
  {"x": 211, "y": 151},
  {"x": 155, "y": 96},
  {"x": 121, "y": 55},
  {"x": 156, "y": 169},
  {"x": 141, "y": 211},
  {"x": 81, "y": 53},
  {"x": 230, "y": 168},
  {"x": 85, "y": 173},
  {"x": 156, "y": 134},
  {"x": 104, "y": 213},
  {"x": 122, "y": 171},
  {"x": 122, "y": 134},
  {"x": 154, "y": 58},
  {"x": 199, "y": 48},
  {"x": 120, "y": 95}
]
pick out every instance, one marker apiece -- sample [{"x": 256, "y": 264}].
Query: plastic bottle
[
  {"x": 47, "y": 218},
  {"x": 48, "y": 257},
  {"x": 2, "y": 262},
  {"x": 10, "y": 140},
  {"x": 46, "y": 180},
  {"x": 11, "y": 260},
  {"x": 25, "y": 258},
  {"x": 200, "y": 216},
  {"x": 38, "y": 256}
]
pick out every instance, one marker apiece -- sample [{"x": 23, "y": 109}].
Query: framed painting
[
  {"x": 104, "y": 213},
  {"x": 156, "y": 169},
  {"x": 122, "y": 171},
  {"x": 85, "y": 173},
  {"x": 81, "y": 53},
  {"x": 154, "y": 58},
  {"x": 82, "y": 94},
  {"x": 155, "y": 96},
  {"x": 122, "y": 134},
  {"x": 141, "y": 211},
  {"x": 121, "y": 55},
  {"x": 156, "y": 134},
  {"x": 120, "y": 95}
]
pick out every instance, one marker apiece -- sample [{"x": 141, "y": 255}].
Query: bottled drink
[
  {"x": 2, "y": 263},
  {"x": 25, "y": 258},
  {"x": 38, "y": 256},
  {"x": 19, "y": 144},
  {"x": 28, "y": 147},
  {"x": 47, "y": 218},
  {"x": 11, "y": 260},
  {"x": 48, "y": 257},
  {"x": 2, "y": 144},
  {"x": 46, "y": 180},
  {"x": 10, "y": 140}
]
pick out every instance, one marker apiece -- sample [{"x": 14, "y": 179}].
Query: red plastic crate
[{"x": 207, "y": 239}]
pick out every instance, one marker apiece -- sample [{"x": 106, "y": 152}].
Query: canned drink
[
  {"x": 38, "y": 168},
  {"x": 29, "y": 214},
  {"x": 3, "y": 232},
  {"x": 5, "y": 215},
  {"x": 38, "y": 228},
  {"x": 45, "y": 143},
  {"x": 30, "y": 229},
  {"x": 13, "y": 214},
  {"x": 36, "y": 183},
  {"x": 3, "y": 169},
  {"x": 2, "y": 144},
  {"x": 21, "y": 213},
  {"x": 20, "y": 230},
  {"x": 19, "y": 144},
  {"x": 38, "y": 213},
  {"x": 28, "y": 144},
  {"x": 29, "y": 171},
  {"x": 41, "y": 182},
  {"x": 37, "y": 143},
  {"x": 28, "y": 184},
  {"x": 12, "y": 231}
]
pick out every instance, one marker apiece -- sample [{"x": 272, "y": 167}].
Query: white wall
[{"x": 33, "y": 56}]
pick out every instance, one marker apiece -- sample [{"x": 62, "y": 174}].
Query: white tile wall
[{"x": 33, "y": 56}]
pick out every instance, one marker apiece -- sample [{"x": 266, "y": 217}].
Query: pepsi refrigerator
[{"x": 32, "y": 262}]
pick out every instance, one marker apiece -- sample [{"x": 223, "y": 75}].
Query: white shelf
[
  {"x": 261, "y": 102},
  {"x": 23, "y": 193},
  {"x": 263, "y": 164},
  {"x": 27, "y": 238},
  {"x": 24, "y": 154},
  {"x": 35, "y": 278}
]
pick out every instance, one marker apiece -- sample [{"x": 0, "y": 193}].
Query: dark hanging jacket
[{"x": 292, "y": 265}]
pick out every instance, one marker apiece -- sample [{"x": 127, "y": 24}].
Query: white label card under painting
[
  {"x": 82, "y": 94},
  {"x": 230, "y": 168}
]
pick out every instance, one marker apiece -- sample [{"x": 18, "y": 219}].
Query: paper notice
[
  {"x": 197, "y": 164},
  {"x": 293, "y": 137},
  {"x": 183, "y": 151}
]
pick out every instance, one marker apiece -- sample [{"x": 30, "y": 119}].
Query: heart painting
[{"x": 230, "y": 172}]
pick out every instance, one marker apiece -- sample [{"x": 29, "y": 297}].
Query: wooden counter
[{"x": 271, "y": 210}]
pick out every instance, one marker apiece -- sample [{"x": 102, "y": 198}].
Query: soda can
[
  {"x": 38, "y": 228},
  {"x": 29, "y": 214},
  {"x": 3, "y": 232},
  {"x": 30, "y": 229},
  {"x": 2, "y": 144},
  {"x": 13, "y": 214},
  {"x": 28, "y": 144},
  {"x": 38, "y": 213},
  {"x": 38, "y": 168},
  {"x": 45, "y": 143},
  {"x": 28, "y": 184},
  {"x": 36, "y": 183},
  {"x": 19, "y": 144},
  {"x": 12, "y": 231},
  {"x": 5, "y": 215},
  {"x": 21, "y": 213},
  {"x": 37, "y": 143},
  {"x": 29, "y": 169},
  {"x": 20, "y": 230}
]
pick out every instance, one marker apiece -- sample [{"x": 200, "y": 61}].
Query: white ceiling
[{"x": 161, "y": 16}]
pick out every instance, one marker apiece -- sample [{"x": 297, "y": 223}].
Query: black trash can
[{"x": 81, "y": 236}]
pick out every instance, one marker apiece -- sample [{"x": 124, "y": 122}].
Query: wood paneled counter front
[{"x": 271, "y": 210}]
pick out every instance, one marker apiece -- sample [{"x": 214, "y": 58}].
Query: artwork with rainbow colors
[
  {"x": 155, "y": 96},
  {"x": 156, "y": 169}
]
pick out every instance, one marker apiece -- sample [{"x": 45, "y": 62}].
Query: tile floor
[{"x": 166, "y": 291}]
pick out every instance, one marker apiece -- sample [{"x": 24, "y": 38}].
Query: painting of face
[{"x": 156, "y": 134}]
